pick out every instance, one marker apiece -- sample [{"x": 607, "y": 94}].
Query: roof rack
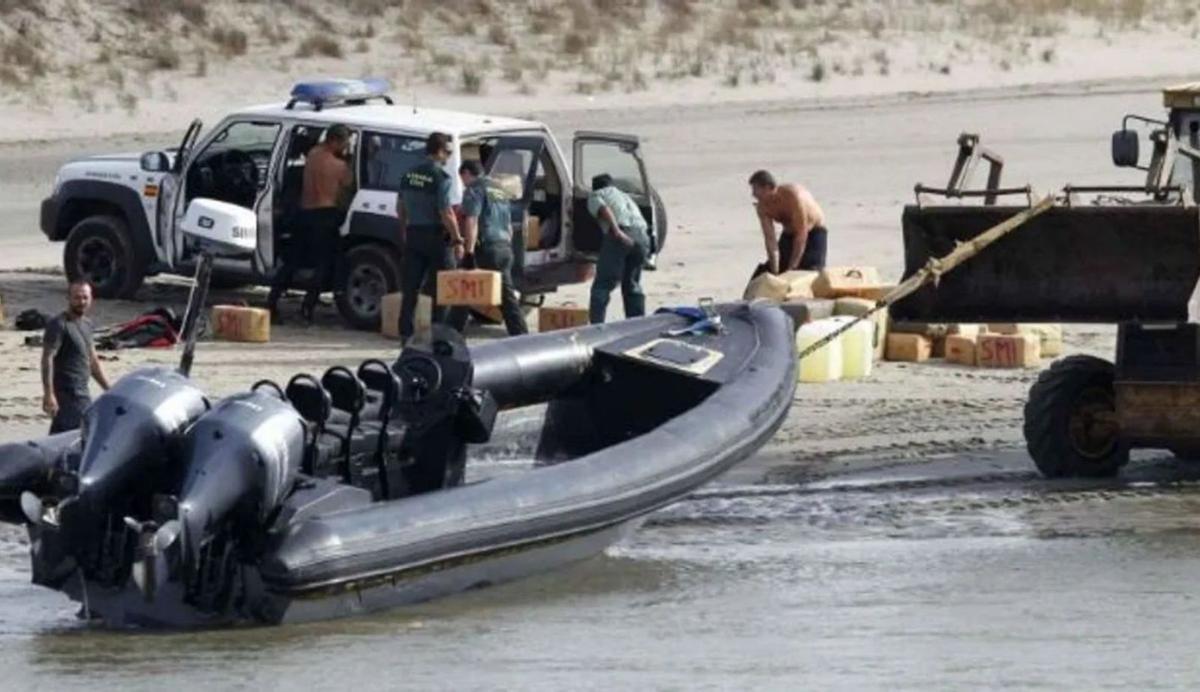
[{"x": 348, "y": 92}]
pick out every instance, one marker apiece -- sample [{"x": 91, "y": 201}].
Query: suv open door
[
  {"x": 618, "y": 155},
  {"x": 168, "y": 193}
]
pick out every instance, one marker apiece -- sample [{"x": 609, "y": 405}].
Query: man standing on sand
[
  {"x": 802, "y": 243},
  {"x": 432, "y": 241},
  {"x": 327, "y": 178},
  {"x": 622, "y": 252},
  {"x": 69, "y": 361}
]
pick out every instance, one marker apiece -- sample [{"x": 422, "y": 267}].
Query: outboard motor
[
  {"x": 29, "y": 469},
  {"x": 128, "y": 434},
  {"x": 241, "y": 460},
  {"x": 443, "y": 411}
]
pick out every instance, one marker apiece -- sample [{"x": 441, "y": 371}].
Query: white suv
[{"x": 119, "y": 215}]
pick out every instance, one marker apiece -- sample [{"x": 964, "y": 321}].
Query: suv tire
[
  {"x": 371, "y": 271},
  {"x": 99, "y": 251}
]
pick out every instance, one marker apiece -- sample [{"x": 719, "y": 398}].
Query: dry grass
[
  {"x": 116, "y": 76},
  {"x": 499, "y": 34},
  {"x": 231, "y": 42},
  {"x": 128, "y": 102},
  {"x": 271, "y": 30},
  {"x": 588, "y": 45},
  {"x": 576, "y": 42},
  {"x": 23, "y": 55},
  {"x": 162, "y": 56},
  {"x": 512, "y": 68},
  {"x": 472, "y": 78},
  {"x": 9, "y": 76},
  {"x": 319, "y": 45},
  {"x": 314, "y": 16},
  {"x": 444, "y": 59},
  {"x": 34, "y": 7},
  {"x": 158, "y": 12}
]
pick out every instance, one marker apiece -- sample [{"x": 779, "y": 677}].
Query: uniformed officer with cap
[
  {"x": 489, "y": 221},
  {"x": 432, "y": 241}
]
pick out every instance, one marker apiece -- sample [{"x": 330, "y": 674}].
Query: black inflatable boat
[{"x": 329, "y": 497}]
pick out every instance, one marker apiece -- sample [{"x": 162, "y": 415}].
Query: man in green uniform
[
  {"x": 623, "y": 251},
  {"x": 489, "y": 220},
  {"x": 432, "y": 242}
]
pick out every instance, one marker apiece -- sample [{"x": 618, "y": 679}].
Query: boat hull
[{"x": 634, "y": 416}]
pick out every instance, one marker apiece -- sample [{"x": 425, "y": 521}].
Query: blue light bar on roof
[{"x": 324, "y": 92}]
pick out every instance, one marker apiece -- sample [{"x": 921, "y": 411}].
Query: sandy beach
[{"x": 859, "y": 156}]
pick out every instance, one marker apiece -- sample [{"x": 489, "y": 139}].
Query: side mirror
[
  {"x": 220, "y": 228},
  {"x": 155, "y": 162},
  {"x": 1125, "y": 148}
]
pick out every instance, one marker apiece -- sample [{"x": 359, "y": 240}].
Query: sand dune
[{"x": 76, "y": 68}]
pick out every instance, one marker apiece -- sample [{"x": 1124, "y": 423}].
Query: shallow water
[{"x": 910, "y": 578}]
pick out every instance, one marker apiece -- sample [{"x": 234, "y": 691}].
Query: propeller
[
  {"x": 149, "y": 570},
  {"x": 31, "y": 506}
]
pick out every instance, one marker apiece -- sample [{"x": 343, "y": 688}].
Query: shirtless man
[
  {"x": 802, "y": 243},
  {"x": 327, "y": 177}
]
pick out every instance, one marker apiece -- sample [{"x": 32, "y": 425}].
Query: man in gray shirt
[{"x": 69, "y": 361}]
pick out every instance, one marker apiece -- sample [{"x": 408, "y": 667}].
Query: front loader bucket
[{"x": 1070, "y": 264}]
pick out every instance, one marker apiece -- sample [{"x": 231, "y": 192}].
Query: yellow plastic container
[
  {"x": 858, "y": 348},
  {"x": 824, "y": 364}
]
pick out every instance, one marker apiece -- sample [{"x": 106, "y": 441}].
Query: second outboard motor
[
  {"x": 127, "y": 437},
  {"x": 241, "y": 460},
  {"x": 30, "y": 467}
]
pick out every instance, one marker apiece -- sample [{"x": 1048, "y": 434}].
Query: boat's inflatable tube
[{"x": 609, "y": 486}]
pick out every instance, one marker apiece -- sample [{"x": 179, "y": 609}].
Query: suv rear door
[
  {"x": 618, "y": 155},
  {"x": 512, "y": 162}
]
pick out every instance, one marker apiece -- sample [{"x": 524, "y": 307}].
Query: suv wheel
[
  {"x": 100, "y": 252},
  {"x": 371, "y": 272}
]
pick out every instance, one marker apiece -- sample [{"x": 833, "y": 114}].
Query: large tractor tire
[
  {"x": 100, "y": 251},
  {"x": 1071, "y": 428},
  {"x": 370, "y": 272}
]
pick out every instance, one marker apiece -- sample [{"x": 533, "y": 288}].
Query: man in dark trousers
[
  {"x": 69, "y": 361},
  {"x": 327, "y": 178},
  {"x": 487, "y": 229},
  {"x": 802, "y": 241},
  {"x": 432, "y": 241},
  {"x": 623, "y": 250}
]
